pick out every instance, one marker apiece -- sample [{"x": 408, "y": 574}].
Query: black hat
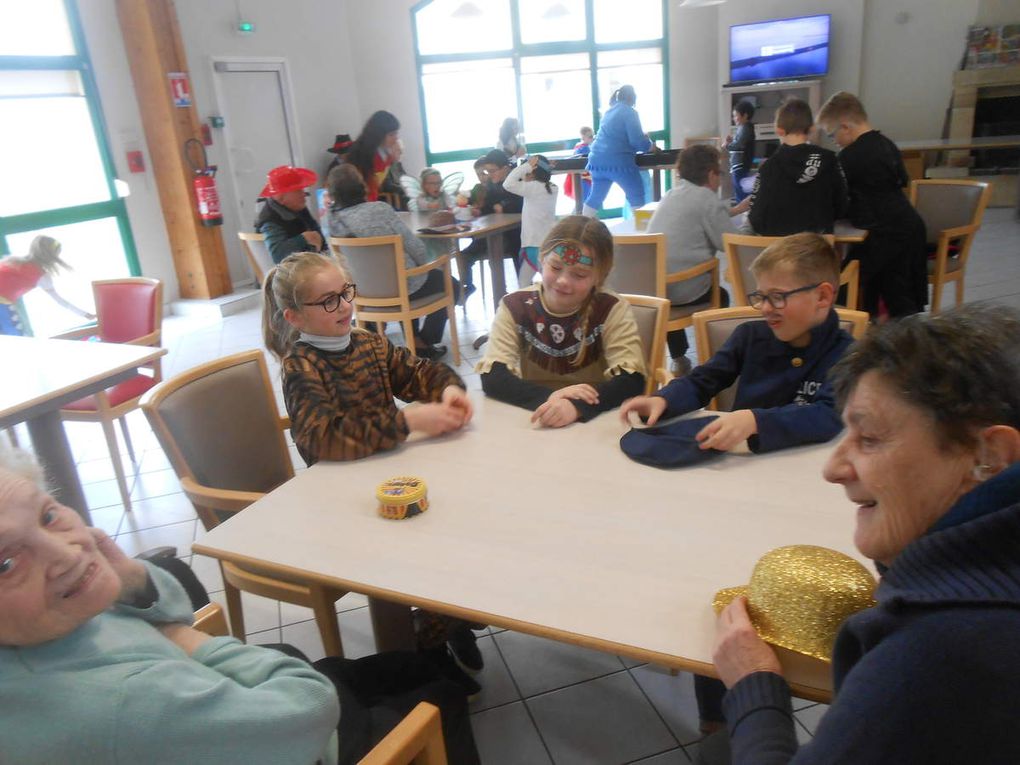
[
  {"x": 497, "y": 157},
  {"x": 342, "y": 143},
  {"x": 672, "y": 445}
]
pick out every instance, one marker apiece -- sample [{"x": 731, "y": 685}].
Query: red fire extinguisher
[{"x": 206, "y": 196}]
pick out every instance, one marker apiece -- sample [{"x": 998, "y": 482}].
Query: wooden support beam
[{"x": 153, "y": 41}]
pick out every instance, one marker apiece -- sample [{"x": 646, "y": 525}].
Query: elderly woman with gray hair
[{"x": 931, "y": 460}]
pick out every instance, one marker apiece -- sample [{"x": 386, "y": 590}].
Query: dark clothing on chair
[
  {"x": 282, "y": 228},
  {"x": 894, "y": 263},
  {"x": 799, "y": 188}
]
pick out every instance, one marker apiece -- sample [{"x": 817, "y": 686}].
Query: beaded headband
[{"x": 571, "y": 255}]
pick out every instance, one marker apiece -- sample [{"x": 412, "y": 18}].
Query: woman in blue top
[{"x": 611, "y": 159}]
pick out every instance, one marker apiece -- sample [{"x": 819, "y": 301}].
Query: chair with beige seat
[
  {"x": 639, "y": 268},
  {"x": 128, "y": 311},
  {"x": 952, "y": 211},
  {"x": 258, "y": 254},
  {"x": 378, "y": 267},
  {"x": 220, "y": 428},
  {"x": 713, "y": 328},
  {"x": 741, "y": 250},
  {"x": 651, "y": 315}
]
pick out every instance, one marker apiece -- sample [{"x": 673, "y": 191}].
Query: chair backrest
[
  {"x": 219, "y": 425},
  {"x": 639, "y": 265},
  {"x": 417, "y": 739},
  {"x": 713, "y": 328},
  {"x": 258, "y": 254},
  {"x": 376, "y": 265},
  {"x": 129, "y": 310},
  {"x": 948, "y": 203},
  {"x": 651, "y": 315},
  {"x": 741, "y": 250}
]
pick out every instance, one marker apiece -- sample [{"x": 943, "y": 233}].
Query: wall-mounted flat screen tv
[{"x": 781, "y": 49}]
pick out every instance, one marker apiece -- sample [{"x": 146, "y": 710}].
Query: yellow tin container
[{"x": 402, "y": 497}]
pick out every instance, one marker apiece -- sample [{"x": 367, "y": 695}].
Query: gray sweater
[
  {"x": 379, "y": 219},
  {"x": 693, "y": 219}
]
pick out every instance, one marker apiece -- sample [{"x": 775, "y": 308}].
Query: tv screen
[{"x": 781, "y": 49}]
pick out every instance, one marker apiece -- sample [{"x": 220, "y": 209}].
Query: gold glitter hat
[{"x": 800, "y": 595}]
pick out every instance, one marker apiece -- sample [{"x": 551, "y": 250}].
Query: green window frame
[
  {"x": 520, "y": 50},
  {"x": 114, "y": 207}
]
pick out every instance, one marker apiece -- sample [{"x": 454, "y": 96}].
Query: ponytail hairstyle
[
  {"x": 45, "y": 253},
  {"x": 593, "y": 235},
  {"x": 541, "y": 173},
  {"x": 625, "y": 93},
  {"x": 283, "y": 289}
]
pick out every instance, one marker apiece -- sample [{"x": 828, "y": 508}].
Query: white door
[{"x": 259, "y": 127}]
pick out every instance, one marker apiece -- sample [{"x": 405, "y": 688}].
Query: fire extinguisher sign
[{"x": 180, "y": 89}]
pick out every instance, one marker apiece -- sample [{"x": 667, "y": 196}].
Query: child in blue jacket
[{"x": 783, "y": 398}]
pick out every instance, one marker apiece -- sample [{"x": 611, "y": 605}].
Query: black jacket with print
[{"x": 799, "y": 188}]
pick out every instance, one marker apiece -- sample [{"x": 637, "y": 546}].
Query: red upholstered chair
[{"x": 128, "y": 311}]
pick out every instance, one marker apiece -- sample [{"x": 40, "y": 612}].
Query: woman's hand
[
  {"x": 314, "y": 239},
  {"x": 433, "y": 419},
  {"x": 582, "y": 391},
  {"x": 649, "y": 408},
  {"x": 134, "y": 579},
  {"x": 555, "y": 413},
  {"x": 456, "y": 397},
  {"x": 728, "y": 430},
  {"x": 738, "y": 650},
  {"x": 184, "y": 636}
]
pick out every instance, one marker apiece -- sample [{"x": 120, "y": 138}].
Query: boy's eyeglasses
[
  {"x": 775, "y": 299},
  {"x": 332, "y": 301}
]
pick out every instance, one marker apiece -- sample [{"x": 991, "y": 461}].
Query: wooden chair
[
  {"x": 219, "y": 426},
  {"x": 211, "y": 620},
  {"x": 952, "y": 211},
  {"x": 741, "y": 250},
  {"x": 128, "y": 311},
  {"x": 417, "y": 740},
  {"x": 713, "y": 328},
  {"x": 258, "y": 254},
  {"x": 651, "y": 315},
  {"x": 639, "y": 268},
  {"x": 377, "y": 265}
]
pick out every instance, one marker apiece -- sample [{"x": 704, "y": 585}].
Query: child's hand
[
  {"x": 456, "y": 397},
  {"x": 497, "y": 208},
  {"x": 649, "y": 408},
  {"x": 581, "y": 391},
  {"x": 533, "y": 161},
  {"x": 433, "y": 419},
  {"x": 133, "y": 576},
  {"x": 555, "y": 413},
  {"x": 728, "y": 430}
]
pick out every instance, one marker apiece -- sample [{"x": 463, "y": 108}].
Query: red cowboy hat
[{"x": 285, "y": 178}]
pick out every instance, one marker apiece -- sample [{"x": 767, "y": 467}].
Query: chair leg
[
  {"x": 118, "y": 468},
  {"x": 408, "y": 326},
  {"x": 234, "y": 613},
  {"x": 936, "y": 296},
  {"x": 451, "y": 312},
  {"x": 324, "y": 606},
  {"x": 127, "y": 439},
  {"x": 959, "y": 290}
]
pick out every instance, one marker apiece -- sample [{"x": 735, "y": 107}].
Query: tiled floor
[{"x": 543, "y": 702}]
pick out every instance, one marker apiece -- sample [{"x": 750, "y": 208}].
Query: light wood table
[
  {"x": 488, "y": 227},
  {"x": 554, "y": 533},
  {"x": 43, "y": 375},
  {"x": 915, "y": 152}
]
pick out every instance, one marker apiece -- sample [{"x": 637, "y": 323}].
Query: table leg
[
  {"x": 54, "y": 453},
  {"x": 656, "y": 181},
  {"x": 391, "y": 625},
  {"x": 494, "y": 245},
  {"x": 578, "y": 185}
]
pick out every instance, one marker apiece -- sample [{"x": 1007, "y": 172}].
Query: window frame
[
  {"x": 521, "y": 50},
  {"x": 115, "y": 206}
]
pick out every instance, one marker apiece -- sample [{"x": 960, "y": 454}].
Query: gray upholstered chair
[
  {"x": 639, "y": 268},
  {"x": 741, "y": 250},
  {"x": 651, "y": 315},
  {"x": 713, "y": 328},
  {"x": 258, "y": 254},
  {"x": 378, "y": 268},
  {"x": 219, "y": 426},
  {"x": 952, "y": 211}
]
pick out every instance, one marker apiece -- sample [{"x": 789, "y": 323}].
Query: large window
[
  {"x": 57, "y": 169},
  {"x": 553, "y": 64}
]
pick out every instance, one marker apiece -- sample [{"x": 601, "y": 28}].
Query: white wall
[{"x": 693, "y": 72}]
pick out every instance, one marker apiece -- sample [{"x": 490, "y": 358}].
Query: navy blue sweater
[
  {"x": 930, "y": 675},
  {"x": 785, "y": 387}
]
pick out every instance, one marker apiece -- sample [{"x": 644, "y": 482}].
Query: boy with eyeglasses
[{"x": 782, "y": 397}]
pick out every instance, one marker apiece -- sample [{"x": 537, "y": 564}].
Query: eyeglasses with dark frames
[
  {"x": 332, "y": 301},
  {"x": 776, "y": 299}
]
